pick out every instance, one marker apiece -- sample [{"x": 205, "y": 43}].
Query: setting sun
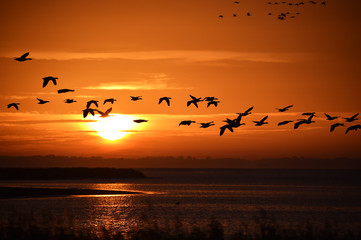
[{"x": 114, "y": 127}]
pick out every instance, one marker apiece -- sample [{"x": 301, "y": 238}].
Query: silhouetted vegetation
[
  {"x": 263, "y": 227},
  {"x": 67, "y": 173}
]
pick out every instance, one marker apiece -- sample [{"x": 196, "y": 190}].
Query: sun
[{"x": 114, "y": 127}]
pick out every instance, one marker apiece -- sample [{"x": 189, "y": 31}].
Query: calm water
[{"x": 230, "y": 196}]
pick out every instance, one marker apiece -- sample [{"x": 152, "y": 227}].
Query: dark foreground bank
[
  {"x": 263, "y": 227},
  {"x": 67, "y": 173},
  {"x": 20, "y": 192}
]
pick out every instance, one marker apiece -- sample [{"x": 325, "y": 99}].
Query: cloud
[
  {"x": 153, "y": 81},
  {"x": 185, "y": 55}
]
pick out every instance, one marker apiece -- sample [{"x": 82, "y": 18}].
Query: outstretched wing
[
  {"x": 328, "y": 116},
  {"x": 333, "y": 126},
  {"x": 88, "y": 104},
  {"x": 248, "y": 110},
  {"x": 25, "y": 55},
  {"x": 108, "y": 111},
  {"x": 45, "y": 82},
  {"x": 193, "y": 97},
  {"x": 354, "y": 116},
  {"x": 264, "y": 119},
  {"x": 54, "y": 81},
  {"x": 168, "y": 102},
  {"x": 289, "y": 106}
]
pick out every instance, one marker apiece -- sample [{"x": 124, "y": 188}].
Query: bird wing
[
  {"x": 96, "y": 103},
  {"x": 106, "y": 100},
  {"x": 16, "y": 106},
  {"x": 264, "y": 119},
  {"x": 209, "y": 104},
  {"x": 45, "y": 82},
  {"x": 160, "y": 100},
  {"x": 85, "y": 113},
  {"x": 88, "y": 104},
  {"x": 328, "y": 116},
  {"x": 189, "y": 103},
  {"x": 25, "y": 55},
  {"x": 289, "y": 106},
  {"x": 297, "y": 124},
  {"x": 333, "y": 126},
  {"x": 194, "y": 98},
  {"x": 108, "y": 111},
  {"x": 348, "y": 129},
  {"x": 168, "y": 102},
  {"x": 195, "y": 104},
  {"x": 40, "y": 100},
  {"x": 354, "y": 116},
  {"x": 248, "y": 110},
  {"x": 181, "y": 123}
]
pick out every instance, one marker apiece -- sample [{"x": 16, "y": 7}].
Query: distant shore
[
  {"x": 21, "y": 192},
  {"x": 68, "y": 173}
]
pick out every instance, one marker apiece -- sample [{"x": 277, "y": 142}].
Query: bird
[
  {"x": 333, "y": 126},
  {"x": 166, "y": 99},
  {"x": 209, "y": 99},
  {"x": 283, "y": 123},
  {"x": 23, "y": 58},
  {"x": 69, "y": 100},
  {"x": 248, "y": 14},
  {"x": 323, "y": 3},
  {"x": 41, "y": 101},
  {"x": 220, "y": 16},
  {"x": 46, "y": 80},
  {"x": 111, "y": 100},
  {"x": 186, "y": 122},
  {"x": 132, "y": 98},
  {"x": 194, "y": 101},
  {"x": 309, "y": 114},
  {"x": 87, "y": 111},
  {"x": 303, "y": 121},
  {"x": 15, "y": 105},
  {"x": 206, "y": 125},
  {"x": 284, "y": 109},
  {"x": 351, "y": 119},
  {"x": 140, "y": 120},
  {"x": 95, "y": 102},
  {"x": 215, "y": 103},
  {"x": 354, "y": 127},
  {"x": 234, "y": 15},
  {"x": 65, "y": 90},
  {"x": 329, "y": 118},
  {"x": 247, "y": 112},
  {"x": 236, "y": 2},
  {"x": 102, "y": 114},
  {"x": 262, "y": 122}
]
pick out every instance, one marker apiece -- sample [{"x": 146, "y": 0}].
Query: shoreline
[{"x": 23, "y": 192}]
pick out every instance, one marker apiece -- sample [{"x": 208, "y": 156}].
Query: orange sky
[{"x": 157, "y": 48}]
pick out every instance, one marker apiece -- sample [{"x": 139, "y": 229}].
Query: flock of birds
[
  {"x": 282, "y": 15},
  {"x": 230, "y": 125}
]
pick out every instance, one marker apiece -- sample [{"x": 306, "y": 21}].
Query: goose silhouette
[
  {"x": 206, "y": 125},
  {"x": 333, "y": 126},
  {"x": 186, "y": 122},
  {"x": 303, "y": 121},
  {"x": 194, "y": 101},
  {"x": 65, "y": 90},
  {"x": 329, "y": 118},
  {"x": 102, "y": 114},
  {"x": 95, "y": 102},
  {"x": 140, "y": 120},
  {"x": 262, "y": 122},
  {"x": 15, "y": 105},
  {"x": 166, "y": 99},
  {"x": 247, "y": 112},
  {"x": 223, "y": 128},
  {"x": 46, "y": 80},
  {"x": 284, "y": 123},
  {"x": 111, "y": 100},
  {"x": 69, "y": 100},
  {"x": 23, "y": 57},
  {"x": 41, "y": 101},
  {"x": 284, "y": 109},
  {"x": 351, "y": 119},
  {"x": 88, "y": 111},
  {"x": 137, "y": 98},
  {"x": 354, "y": 127},
  {"x": 210, "y": 99},
  {"x": 215, "y": 103}
]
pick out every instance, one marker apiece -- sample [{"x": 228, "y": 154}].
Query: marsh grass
[{"x": 263, "y": 227}]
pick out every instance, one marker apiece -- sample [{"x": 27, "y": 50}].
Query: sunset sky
[{"x": 156, "y": 48}]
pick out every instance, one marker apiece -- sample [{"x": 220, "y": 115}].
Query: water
[{"x": 194, "y": 196}]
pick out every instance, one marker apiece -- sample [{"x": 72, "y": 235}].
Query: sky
[{"x": 156, "y": 48}]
